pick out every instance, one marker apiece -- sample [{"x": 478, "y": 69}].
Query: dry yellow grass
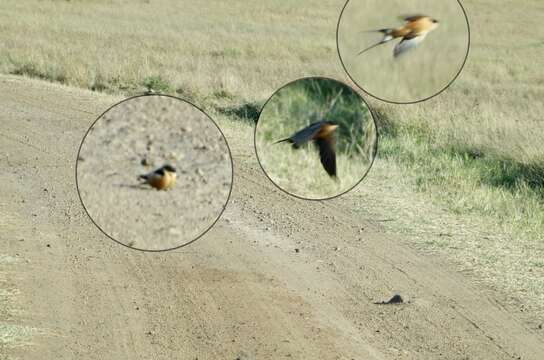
[
  {"x": 235, "y": 53},
  {"x": 230, "y": 49}
]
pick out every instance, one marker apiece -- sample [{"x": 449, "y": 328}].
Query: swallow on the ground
[
  {"x": 412, "y": 33},
  {"x": 321, "y": 133},
  {"x": 162, "y": 178}
]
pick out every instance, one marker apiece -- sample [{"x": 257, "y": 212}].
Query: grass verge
[{"x": 469, "y": 180}]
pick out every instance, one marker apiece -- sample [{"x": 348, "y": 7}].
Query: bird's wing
[
  {"x": 152, "y": 175},
  {"x": 301, "y": 137},
  {"x": 327, "y": 154},
  {"x": 412, "y": 17},
  {"x": 144, "y": 176},
  {"x": 407, "y": 43}
]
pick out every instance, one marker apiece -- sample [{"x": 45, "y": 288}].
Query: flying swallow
[
  {"x": 162, "y": 178},
  {"x": 412, "y": 33},
  {"x": 321, "y": 133}
]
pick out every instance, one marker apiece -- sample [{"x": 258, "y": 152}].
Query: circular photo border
[
  {"x": 206, "y": 229},
  {"x": 374, "y": 148},
  {"x": 405, "y": 102}
]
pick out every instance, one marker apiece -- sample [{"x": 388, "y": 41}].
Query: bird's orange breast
[
  {"x": 162, "y": 182},
  {"x": 401, "y": 31},
  {"x": 325, "y": 131}
]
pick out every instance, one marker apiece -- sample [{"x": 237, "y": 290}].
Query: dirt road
[{"x": 243, "y": 291}]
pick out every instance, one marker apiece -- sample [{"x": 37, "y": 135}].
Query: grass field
[
  {"x": 210, "y": 51},
  {"x": 296, "y": 106},
  {"x": 475, "y": 150}
]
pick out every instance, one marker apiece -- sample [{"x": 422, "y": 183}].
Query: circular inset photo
[
  {"x": 154, "y": 172},
  {"x": 403, "y": 51},
  {"x": 315, "y": 138}
]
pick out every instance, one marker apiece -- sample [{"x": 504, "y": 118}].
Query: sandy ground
[
  {"x": 136, "y": 137},
  {"x": 242, "y": 291}
]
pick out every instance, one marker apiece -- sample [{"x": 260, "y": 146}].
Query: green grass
[
  {"x": 49, "y": 73},
  {"x": 469, "y": 180},
  {"x": 15, "y": 335},
  {"x": 248, "y": 111},
  {"x": 156, "y": 84},
  {"x": 294, "y": 107}
]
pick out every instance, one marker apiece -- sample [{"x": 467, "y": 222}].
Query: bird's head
[
  {"x": 434, "y": 23},
  {"x": 332, "y": 125},
  {"x": 169, "y": 168}
]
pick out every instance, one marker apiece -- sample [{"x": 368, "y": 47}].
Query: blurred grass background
[{"x": 297, "y": 105}]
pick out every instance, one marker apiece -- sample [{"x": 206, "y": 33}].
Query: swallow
[
  {"x": 162, "y": 178},
  {"x": 322, "y": 134},
  {"x": 412, "y": 33}
]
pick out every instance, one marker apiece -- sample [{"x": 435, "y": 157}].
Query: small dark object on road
[{"x": 396, "y": 299}]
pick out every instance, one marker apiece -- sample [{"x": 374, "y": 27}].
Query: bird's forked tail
[
  {"x": 387, "y": 36},
  {"x": 283, "y": 140}
]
